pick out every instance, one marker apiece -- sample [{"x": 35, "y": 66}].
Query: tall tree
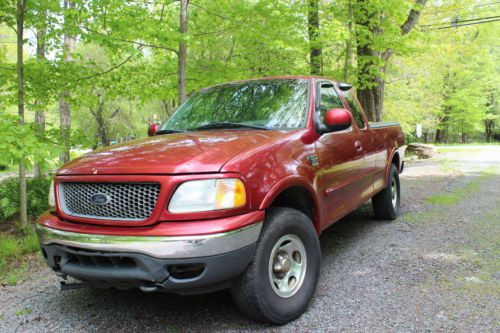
[
  {"x": 182, "y": 53},
  {"x": 23, "y": 216},
  {"x": 64, "y": 108},
  {"x": 348, "y": 46},
  {"x": 41, "y": 34},
  {"x": 315, "y": 52},
  {"x": 372, "y": 60},
  {"x": 492, "y": 115}
]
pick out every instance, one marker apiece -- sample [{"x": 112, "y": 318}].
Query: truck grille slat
[{"x": 124, "y": 201}]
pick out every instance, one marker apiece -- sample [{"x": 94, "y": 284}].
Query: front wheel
[
  {"x": 386, "y": 203},
  {"x": 281, "y": 279}
]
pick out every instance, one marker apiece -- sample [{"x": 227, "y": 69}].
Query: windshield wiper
[
  {"x": 169, "y": 131},
  {"x": 226, "y": 125}
]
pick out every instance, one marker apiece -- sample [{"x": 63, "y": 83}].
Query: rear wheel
[
  {"x": 386, "y": 203},
  {"x": 280, "y": 281}
]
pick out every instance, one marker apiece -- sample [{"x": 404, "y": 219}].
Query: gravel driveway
[{"x": 435, "y": 269}]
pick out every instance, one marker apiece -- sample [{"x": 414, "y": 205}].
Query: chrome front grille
[{"x": 109, "y": 201}]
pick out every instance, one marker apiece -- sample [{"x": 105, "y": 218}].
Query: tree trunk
[
  {"x": 102, "y": 131},
  {"x": 40, "y": 113},
  {"x": 23, "y": 214},
  {"x": 442, "y": 130},
  {"x": 440, "y": 135},
  {"x": 64, "y": 109},
  {"x": 314, "y": 42},
  {"x": 488, "y": 129},
  {"x": 182, "y": 55},
  {"x": 367, "y": 94},
  {"x": 371, "y": 93},
  {"x": 367, "y": 100},
  {"x": 348, "y": 47}
]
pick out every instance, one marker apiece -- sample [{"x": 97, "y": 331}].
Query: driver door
[{"x": 341, "y": 159}]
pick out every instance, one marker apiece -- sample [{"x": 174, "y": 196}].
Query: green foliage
[
  {"x": 37, "y": 191},
  {"x": 450, "y": 81},
  {"x": 13, "y": 250},
  {"x": 20, "y": 143},
  {"x": 9, "y": 247},
  {"x": 123, "y": 73}
]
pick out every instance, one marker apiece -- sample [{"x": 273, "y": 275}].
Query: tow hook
[
  {"x": 70, "y": 286},
  {"x": 148, "y": 288}
]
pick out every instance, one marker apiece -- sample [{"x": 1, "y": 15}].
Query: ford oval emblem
[{"x": 100, "y": 199}]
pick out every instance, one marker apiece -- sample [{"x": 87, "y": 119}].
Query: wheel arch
[
  {"x": 394, "y": 158},
  {"x": 298, "y": 193}
]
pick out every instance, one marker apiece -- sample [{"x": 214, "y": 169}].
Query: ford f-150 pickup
[{"x": 232, "y": 191}]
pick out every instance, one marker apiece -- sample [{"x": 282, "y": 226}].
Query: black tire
[
  {"x": 253, "y": 291},
  {"x": 383, "y": 205}
]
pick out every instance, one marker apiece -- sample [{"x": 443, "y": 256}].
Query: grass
[
  {"x": 477, "y": 273},
  {"x": 23, "y": 312},
  {"x": 482, "y": 253},
  {"x": 422, "y": 216},
  {"x": 486, "y": 237},
  {"x": 454, "y": 197},
  {"x": 14, "y": 247},
  {"x": 9, "y": 246},
  {"x": 459, "y": 149},
  {"x": 459, "y": 194},
  {"x": 458, "y": 144},
  {"x": 441, "y": 203}
]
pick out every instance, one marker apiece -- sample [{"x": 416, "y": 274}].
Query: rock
[{"x": 422, "y": 150}]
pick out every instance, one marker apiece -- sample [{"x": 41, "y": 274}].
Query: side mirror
[
  {"x": 153, "y": 128},
  {"x": 337, "y": 119}
]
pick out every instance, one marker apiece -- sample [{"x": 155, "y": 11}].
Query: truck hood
[{"x": 191, "y": 152}]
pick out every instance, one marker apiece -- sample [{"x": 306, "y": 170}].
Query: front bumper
[
  {"x": 162, "y": 247},
  {"x": 181, "y": 264}
]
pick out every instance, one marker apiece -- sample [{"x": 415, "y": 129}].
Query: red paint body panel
[
  {"x": 192, "y": 152},
  {"x": 352, "y": 166}
]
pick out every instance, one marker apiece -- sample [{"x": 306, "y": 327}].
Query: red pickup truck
[{"x": 232, "y": 191}]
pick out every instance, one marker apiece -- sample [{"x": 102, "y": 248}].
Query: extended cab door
[
  {"x": 375, "y": 143},
  {"x": 343, "y": 171}
]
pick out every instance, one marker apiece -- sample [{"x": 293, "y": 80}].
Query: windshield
[{"x": 266, "y": 104}]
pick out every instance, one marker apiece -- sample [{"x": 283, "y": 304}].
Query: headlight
[
  {"x": 208, "y": 194},
  {"x": 52, "y": 198}
]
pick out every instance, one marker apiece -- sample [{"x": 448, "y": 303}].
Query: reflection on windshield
[{"x": 275, "y": 104}]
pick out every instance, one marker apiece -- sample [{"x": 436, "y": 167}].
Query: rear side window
[
  {"x": 356, "y": 109},
  {"x": 329, "y": 100}
]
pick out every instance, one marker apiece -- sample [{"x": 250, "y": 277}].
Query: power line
[
  {"x": 462, "y": 25},
  {"x": 476, "y": 19},
  {"x": 461, "y": 21}
]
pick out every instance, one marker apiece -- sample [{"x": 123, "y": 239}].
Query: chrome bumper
[{"x": 163, "y": 247}]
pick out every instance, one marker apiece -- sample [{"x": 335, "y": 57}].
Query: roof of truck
[{"x": 304, "y": 77}]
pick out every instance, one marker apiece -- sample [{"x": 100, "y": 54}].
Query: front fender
[{"x": 291, "y": 181}]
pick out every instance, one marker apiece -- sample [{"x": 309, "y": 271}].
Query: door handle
[{"x": 358, "y": 146}]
